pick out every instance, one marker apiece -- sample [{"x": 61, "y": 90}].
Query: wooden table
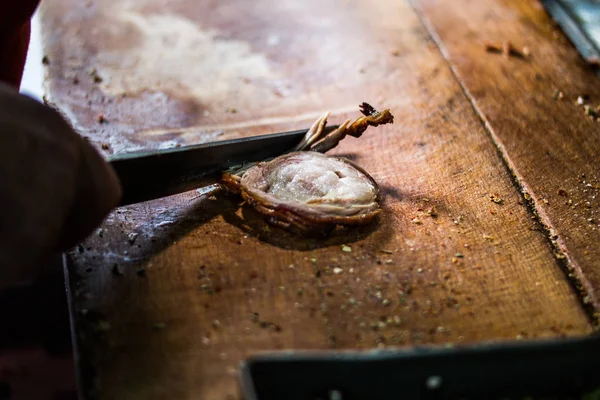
[{"x": 168, "y": 296}]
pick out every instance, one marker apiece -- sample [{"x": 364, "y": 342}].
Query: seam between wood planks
[{"x": 578, "y": 281}]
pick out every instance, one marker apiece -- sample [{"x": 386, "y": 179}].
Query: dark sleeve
[{"x": 14, "y": 38}]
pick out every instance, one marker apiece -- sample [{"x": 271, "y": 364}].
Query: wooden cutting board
[{"x": 486, "y": 232}]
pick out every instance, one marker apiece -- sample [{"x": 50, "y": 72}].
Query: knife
[{"x": 149, "y": 175}]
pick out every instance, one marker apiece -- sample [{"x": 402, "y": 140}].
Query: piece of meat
[
  {"x": 311, "y": 192},
  {"x": 307, "y": 191}
]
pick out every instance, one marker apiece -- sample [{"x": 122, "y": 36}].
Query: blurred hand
[{"x": 55, "y": 188}]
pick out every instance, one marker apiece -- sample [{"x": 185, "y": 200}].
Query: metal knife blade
[{"x": 159, "y": 173}]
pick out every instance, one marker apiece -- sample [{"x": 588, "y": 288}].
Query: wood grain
[
  {"x": 170, "y": 295},
  {"x": 550, "y": 144}
]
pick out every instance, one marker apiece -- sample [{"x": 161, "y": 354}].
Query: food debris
[
  {"x": 459, "y": 255},
  {"x": 45, "y": 60},
  {"x": 132, "y": 237},
  {"x": 105, "y": 146},
  {"x": 94, "y": 74},
  {"x": 492, "y": 47},
  {"x": 488, "y": 237},
  {"x": 396, "y": 53},
  {"x": 102, "y": 119},
  {"x": 386, "y": 251},
  {"x": 495, "y": 198},
  {"x": 337, "y": 270},
  {"x": 432, "y": 212},
  {"x": 231, "y": 110},
  {"x": 216, "y": 324},
  {"x": 558, "y": 95},
  {"x": 416, "y": 221},
  {"x": 346, "y": 249},
  {"x": 254, "y": 317},
  {"x": 507, "y": 49},
  {"x": 270, "y": 325},
  {"x": 580, "y": 100},
  {"x": 590, "y": 112}
]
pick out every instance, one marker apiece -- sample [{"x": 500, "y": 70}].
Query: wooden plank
[
  {"x": 174, "y": 312},
  {"x": 550, "y": 144},
  {"x": 149, "y": 287}
]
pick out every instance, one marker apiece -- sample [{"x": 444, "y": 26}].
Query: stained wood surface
[
  {"x": 170, "y": 295},
  {"x": 550, "y": 143}
]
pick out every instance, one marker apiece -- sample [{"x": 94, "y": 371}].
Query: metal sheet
[
  {"x": 517, "y": 370},
  {"x": 580, "y": 20}
]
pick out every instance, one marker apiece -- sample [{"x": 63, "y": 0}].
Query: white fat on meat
[{"x": 319, "y": 179}]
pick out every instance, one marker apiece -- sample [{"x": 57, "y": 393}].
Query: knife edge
[{"x": 152, "y": 174}]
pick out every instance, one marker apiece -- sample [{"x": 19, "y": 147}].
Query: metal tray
[
  {"x": 549, "y": 369},
  {"x": 580, "y": 21}
]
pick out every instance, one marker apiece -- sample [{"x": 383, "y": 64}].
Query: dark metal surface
[
  {"x": 160, "y": 173},
  {"x": 580, "y": 20},
  {"x": 558, "y": 369},
  {"x": 36, "y": 356}
]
